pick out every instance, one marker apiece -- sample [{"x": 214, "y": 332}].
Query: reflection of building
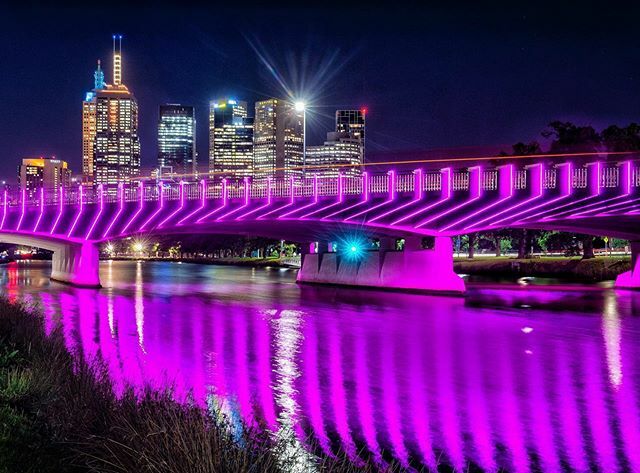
[
  {"x": 230, "y": 139},
  {"x": 278, "y": 139},
  {"x": 37, "y": 173},
  {"x": 336, "y": 155},
  {"x": 177, "y": 140},
  {"x": 110, "y": 143}
]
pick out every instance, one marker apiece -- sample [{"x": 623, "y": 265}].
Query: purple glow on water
[{"x": 421, "y": 379}]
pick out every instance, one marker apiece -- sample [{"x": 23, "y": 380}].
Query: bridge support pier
[
  {"x": 414, "y": 269},
  {"x": 76, "y": 264},
  {"x": 631, "y": 279}
]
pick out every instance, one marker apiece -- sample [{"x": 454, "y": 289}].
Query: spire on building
[
  {"x": 117, "y": 60},
  {"x": 98, "y": 78}
]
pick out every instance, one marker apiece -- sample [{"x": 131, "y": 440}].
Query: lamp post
[{"x": 300, "y": 106}]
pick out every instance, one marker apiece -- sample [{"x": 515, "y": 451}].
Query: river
[{"x": 535, "y": 378}]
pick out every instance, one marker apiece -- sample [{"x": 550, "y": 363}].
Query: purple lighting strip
[
  {"x": 477, "y": 196},
  {"x": 179, "y": 209},
  {"x": 365, "y": 199},
  {"x": 140, "y": 207},
  {"x": 284, "y": 206},
  {"x": 444, "y": 196},
  {"x": 203, "y": 203},
  {"x": 566, "y": 192},
  {"x": 315, "y": 200},
  {"x": 217, "y": 209},
  {"x": 539, "y": 185},
  {"x": 35, "y": 227},
  {"x": 22, "y": 208},
  {"x": 158, "y": 210},
  {"x": 418, "y": 197},
  {"x": 262, "y": 207},
  {"x": 391, "y": 183},
  {"x": 247, "y": 189},
  {"x": 75, "y": 221},
  {"x": 120, "y": 208},
  {"x": 95, "y": 220},
  {"x": 60, "y": 210}
]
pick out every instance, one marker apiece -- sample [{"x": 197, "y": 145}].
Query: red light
[{"x": 364, "y": 110}]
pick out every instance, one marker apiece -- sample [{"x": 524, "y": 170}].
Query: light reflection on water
[{"x": 524, "y": 380}]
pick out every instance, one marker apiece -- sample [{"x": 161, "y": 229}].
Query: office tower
[
  {"x": 230, "y": 139},
  {"x": 352, "y": 122},
  {"x": 110, "y": 142},
  {"x": 37, "y": 173},
  {"x": 278, "y": 138},
  {"x": 176, "y": 140},
  {"x": 340, "y": 153}
]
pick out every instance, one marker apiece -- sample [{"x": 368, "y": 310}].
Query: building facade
[
  {"x": 341, "y": 153},
  {"x": 176, "y": 140},
  {"x": 110, "y": 142},
  {"x": 230, "y": 139},
  {"x": 37, "y": 173},
  {"x": 278, "y": 139},
  {"x": 352, "y": 122}
]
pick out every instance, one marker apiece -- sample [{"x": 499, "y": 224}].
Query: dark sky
[{"x": 463, "y": 78}]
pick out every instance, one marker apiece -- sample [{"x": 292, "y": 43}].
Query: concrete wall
[{"x": 411, "y": 269}]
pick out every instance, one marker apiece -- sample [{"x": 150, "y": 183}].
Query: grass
[{"x": 58, "y": 414}]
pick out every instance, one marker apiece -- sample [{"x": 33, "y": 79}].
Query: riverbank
[
  {"x": 60, "y": 414},
  {"x": 248, "y": 262},
  {"x": 589, "y": 270}
]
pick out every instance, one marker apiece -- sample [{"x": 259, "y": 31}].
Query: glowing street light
[
  {"x": 137, "y": 247},
  {"x": 300, "y": 106}
]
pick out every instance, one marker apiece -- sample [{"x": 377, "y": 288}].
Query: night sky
[{"x": 463, "y": 79}]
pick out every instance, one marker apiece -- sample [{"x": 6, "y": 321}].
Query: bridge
[{"x": 333, "y": 216}]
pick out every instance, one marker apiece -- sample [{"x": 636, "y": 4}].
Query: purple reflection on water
[{"x": 419, "y": 379}]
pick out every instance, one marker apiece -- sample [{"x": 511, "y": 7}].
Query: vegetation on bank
[
  {"x": 588, "y": 270},
  {"x": 58, "y": 414}
]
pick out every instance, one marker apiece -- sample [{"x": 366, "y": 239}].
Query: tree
[
  {"x": 570, "y": 138},
  {"x": 617, "y": 139}
]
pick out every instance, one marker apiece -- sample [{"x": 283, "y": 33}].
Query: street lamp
[{"x": 300, "y": 106}]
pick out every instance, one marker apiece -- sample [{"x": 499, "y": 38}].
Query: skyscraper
[
  {"x": 230, "y": 139},
  {"x": 37, "y": 173},
  {"x": 340, "y": 153},
  {"x": 352, "y": 122},
  {"x": 278, "y": 139},
  {"x": 110, "y": 142},
  {"x": 176, "y": 140}
]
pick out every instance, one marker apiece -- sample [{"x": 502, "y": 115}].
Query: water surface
[{"x": 514, "y": 378}]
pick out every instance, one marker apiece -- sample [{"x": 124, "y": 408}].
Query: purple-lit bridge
[{"x": 599, "y": 198}]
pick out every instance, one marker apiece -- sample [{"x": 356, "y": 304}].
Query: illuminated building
[
  {"x": 230, "y": 139},
  {"x": 352, "y": 122},
  {"x": 341, "y": 153},
  {"x": 278, "y": 138},
  {"x": 176, "y": 140},
  {"x": 37, "y": 173},
  {"x": 110, "y": 142}
]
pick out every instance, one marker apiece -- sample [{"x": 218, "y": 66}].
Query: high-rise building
[
  {"x": 176, "y": 140},
  {"x": 340, "y": 153},
  {"x": 278, "y": 138},
  {"x": 37, "y": 173},
  {"x": 352, "y": 122},
  {"x": 230, "y": 139},
  {"x": 110, "y": 142}
]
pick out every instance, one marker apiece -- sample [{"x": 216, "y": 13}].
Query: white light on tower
[{"x": 299, "y": 106}]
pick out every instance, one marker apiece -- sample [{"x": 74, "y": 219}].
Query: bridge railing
[{"x": 374, "y": 184}]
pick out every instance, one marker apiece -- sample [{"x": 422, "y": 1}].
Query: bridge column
[
  {"x": 413, "y": 269},
  {"x": 631, "y": 279},
  {"x": 76, "y": 264}
]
